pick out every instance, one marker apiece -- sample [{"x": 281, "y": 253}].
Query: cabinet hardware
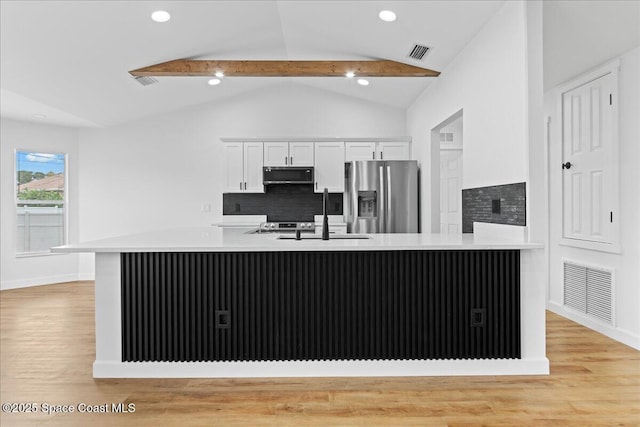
[
  {"x": 291, "y": 160},
  {"x": 316, "y": 185},
  {"x": 285, "y": 160},
  {"x": 240, "y": 185},
  {"x": 245, "y": 185},
  {"x": 381, "y": 155},
  {"x": 566, "y": 165},
  {"x": 373, "y": 155},
  {"x": 611, "y": 217}
]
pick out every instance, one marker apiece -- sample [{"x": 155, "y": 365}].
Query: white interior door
[
  {"x": 587, "y": 161},
  {"x": 451, "y": 191}
]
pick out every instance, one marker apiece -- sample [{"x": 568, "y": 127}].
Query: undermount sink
[{"x": 319, "y": 237}]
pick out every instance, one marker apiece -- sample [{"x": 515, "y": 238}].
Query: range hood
[{"x": 287, "y": 175}]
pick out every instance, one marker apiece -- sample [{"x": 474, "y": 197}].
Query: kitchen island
[{"x": 212, "y": 302}]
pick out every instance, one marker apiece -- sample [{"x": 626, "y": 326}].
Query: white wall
[
  {"x": 488, "y": 81},
  {"x": 156, "y": 173},
  {"x": 27, "y": 271},
  {"x": 625, "y": 265}
]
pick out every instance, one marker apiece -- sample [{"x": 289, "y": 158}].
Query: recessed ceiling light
[
  {"x": 219, "y": 74},
  {"x": 363, "y": 82},
  {"x": 214, "y": 82},
  {"x": 350, "y": 74},
  {"x": 160, "y": 16},
  {"x": 387, "y": 15}
]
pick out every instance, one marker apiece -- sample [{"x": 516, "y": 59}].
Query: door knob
[{"x": 566, "y": 165}]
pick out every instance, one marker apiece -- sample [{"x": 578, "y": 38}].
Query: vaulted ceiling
[{"x": 69, "y": 60}]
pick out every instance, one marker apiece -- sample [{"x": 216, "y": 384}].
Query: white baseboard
[
  {"x": 39, "y": 281},
  {"x": 344, "y": 368},
  {"x": 620, "y": 335},
  {"x": 86, "y": 276}
]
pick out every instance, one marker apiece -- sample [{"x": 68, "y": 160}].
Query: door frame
[{"x": 435, "y": 168}]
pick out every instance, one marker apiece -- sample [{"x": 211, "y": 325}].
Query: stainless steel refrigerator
[{"x": 381, "y": 196}]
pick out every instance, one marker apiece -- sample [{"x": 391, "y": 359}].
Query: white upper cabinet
[
  {"x": 276, "y": 153},
  {"x": 360, "y": 151},
  {"x": 234, "y": 175},
  {"x": 243, "y": 172},
  {"x": 301, "y": 154},
  {"x": 288, "y": 153},
  {"x": 245, "y": 160},
  {"x": 329, "y": 167},
  {"x": 393, "y": 151},
  {"x": 253, "y": 163},
  {"x": 377, "y": 151}
]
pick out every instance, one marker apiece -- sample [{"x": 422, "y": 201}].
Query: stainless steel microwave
[{"x": 287, "y": 175}]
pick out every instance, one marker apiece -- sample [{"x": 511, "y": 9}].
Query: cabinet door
[
  {"x": 360, "y": 151},
  {"x": 301, "y": 153},
  {"x": 276, "y": 154},
  {"x": 253, "y": 162},
  {"x": 233, "y": 157},
  {"x": 329, "y": 166},
  {"x": 393, "y": 151}
]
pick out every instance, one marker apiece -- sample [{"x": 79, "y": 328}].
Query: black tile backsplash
[
  {"x": 283, "y": 202},
  {"x": 498, "y": 204}
]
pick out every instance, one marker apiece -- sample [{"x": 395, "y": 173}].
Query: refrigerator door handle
[
  {"x": 382, "y": 203},
  {"x": 389, "y": 217}
]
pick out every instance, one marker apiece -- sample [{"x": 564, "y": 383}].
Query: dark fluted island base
[{"x": 307, "y": 306}]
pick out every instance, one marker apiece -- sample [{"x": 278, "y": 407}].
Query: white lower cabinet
[
  {"x": 329, "y": 166},
  {"x": 244, "y": 161}
]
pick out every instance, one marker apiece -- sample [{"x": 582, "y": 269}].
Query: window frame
[{"x": 16, "y": 201}]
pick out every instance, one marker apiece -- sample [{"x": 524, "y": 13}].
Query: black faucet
[{"x": 325, "y": 219}]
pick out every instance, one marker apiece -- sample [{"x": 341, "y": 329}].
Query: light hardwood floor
[{"x": 47, "y": 349}]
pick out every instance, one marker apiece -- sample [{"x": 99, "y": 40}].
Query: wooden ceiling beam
[{"x": 203, "y": 68}]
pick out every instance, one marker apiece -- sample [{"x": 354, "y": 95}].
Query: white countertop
[{"x": 216, "y": 239}]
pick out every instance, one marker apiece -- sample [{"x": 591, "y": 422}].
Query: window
[{"x": 40, "y": 201}]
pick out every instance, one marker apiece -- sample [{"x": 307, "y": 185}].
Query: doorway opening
[{"x": 446, "y": 175}]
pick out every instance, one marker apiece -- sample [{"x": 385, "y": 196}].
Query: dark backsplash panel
[
  {"x": 283, "y": 202},
  {"x": 498, "y": 204}
]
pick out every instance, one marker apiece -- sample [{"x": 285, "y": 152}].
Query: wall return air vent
[
  {"x": 418, "y": 52},
  {"x": 589, "y": 290}
]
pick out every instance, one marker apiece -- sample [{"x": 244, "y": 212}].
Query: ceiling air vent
[
  {"x": 418, "y": 51},
  {"x": 145, "y": 80}
]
